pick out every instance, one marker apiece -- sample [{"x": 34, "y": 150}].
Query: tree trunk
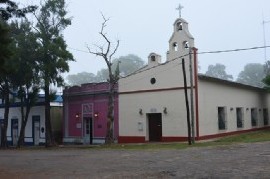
[
  {"x": 22, "y": 134},
  {"x": 110, "y": 116},
  {"x": 48, "y": 128},
  {"x": 4, "y": 142},
  {"x": 23, "y": 123}
]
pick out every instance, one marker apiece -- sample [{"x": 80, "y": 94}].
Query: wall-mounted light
[
  {"x": 77, "y": 115},
  {"x": 140, "y": 111},
  {"x": 231, "y": 109},
  {"x": 165, "y": 110},
  {"x": 247, "y": 109},
  {"x": 96, "y": 114}
]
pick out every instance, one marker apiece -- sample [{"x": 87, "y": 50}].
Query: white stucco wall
[
  {"x": 15, "y": 113},
  {"x": 216, "y": 94},
  {"x": 136, "y": 91},
  {"x": 173, "y": 123}
]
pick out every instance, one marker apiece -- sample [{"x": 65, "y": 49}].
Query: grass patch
[{"x": 258, "y": 136}]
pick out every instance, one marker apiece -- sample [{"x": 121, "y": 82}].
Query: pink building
[{"x": 85, "y": 113}]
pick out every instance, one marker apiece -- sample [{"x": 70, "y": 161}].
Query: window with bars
[
  {"x": 239, "y": 117},
  {"x": 254, "y": 117},
  {"x": 221, "y": 118},
  {"x": 265, "y": 117}
]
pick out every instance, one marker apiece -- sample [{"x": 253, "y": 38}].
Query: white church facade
[{"x": 152, "y": 104}]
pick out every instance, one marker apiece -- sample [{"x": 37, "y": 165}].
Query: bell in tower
[{"x": 181, "y": 40}]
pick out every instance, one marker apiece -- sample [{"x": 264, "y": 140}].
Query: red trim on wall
[
  {"x": 174, "y": 139},
  {"x": 136, "y": 139},
  {"x": 231, "y": 133},
  {"x": 196, "y": 90},
  {"x": 154, "y": 90},
  {"x": 131, "y": 139}
]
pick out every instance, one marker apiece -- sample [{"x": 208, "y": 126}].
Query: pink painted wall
[{"x": 95, "y": 95}]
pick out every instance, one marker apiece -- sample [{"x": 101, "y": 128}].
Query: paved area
[{"x": 235, "y": 161}]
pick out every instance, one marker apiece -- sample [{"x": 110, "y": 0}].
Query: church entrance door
[{"x": 155, "y": 127}]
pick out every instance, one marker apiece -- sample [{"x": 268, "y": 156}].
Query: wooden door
[
  {"x": 155, "y": 127},
  {"x": 36, "y": 129}
]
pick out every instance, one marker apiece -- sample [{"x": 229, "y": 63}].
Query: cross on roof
[{"x": 179, "y": 8}]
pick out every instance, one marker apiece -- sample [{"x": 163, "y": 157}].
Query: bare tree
[{"x": 107, "y": 51}]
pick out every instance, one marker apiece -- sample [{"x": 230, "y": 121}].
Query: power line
[
  {"x": 234, "y": 50},
  {"x": 206, "y": 52}
]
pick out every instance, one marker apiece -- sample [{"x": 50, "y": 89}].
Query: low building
[
  {"x": 35, "y": 127},
  {"x": 152, "y": 102},
  {"x": 85, "y": 113}
]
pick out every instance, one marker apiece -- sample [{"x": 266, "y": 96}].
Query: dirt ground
[{"x": 235, "y": 161}]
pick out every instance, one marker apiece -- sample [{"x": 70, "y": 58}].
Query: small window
[
  {"x": 175, "y": 46},
  {"x": 179, "y": 26},
  {"x": 221, "y": 118},
  {"x": 265, "y": 117},
  {"x": 239, "y": 117},
  {"x": 254, "y": 117},
  {"x": 153, "y": 58},
  {"x": 185, "y": 45},
  {"x": 153, "y": 81}
]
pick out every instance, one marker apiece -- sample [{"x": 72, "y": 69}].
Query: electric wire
[{"x": 179, "y": 57}]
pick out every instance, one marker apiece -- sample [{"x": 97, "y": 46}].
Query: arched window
[
  {"x": 179, "y": 26},
  {"x": 185, "y": 45},
  {"x": 175, "y": 46},
  {"x": 153, "y": 58}
]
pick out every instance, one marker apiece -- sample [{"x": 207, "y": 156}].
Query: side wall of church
[{"x": 213, "y": 95}]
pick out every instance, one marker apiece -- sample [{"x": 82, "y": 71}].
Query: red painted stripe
[
  {"x": 131, "y": 139},
  {"x": 174, "y": 139},
  {"x": 154, "y": 90},
  {"x": 136, "y": 139},
  {"x": 231, "y": 133}
]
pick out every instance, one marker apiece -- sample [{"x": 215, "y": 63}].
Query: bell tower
[{"x": 181, "y": 39}]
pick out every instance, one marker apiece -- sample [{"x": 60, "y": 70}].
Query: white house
[
  {"x": 35, "y": 127},
  {"x": 152, "y": 100}
]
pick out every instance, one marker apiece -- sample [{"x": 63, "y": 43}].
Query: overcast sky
[{"x": 145, "y": 26}]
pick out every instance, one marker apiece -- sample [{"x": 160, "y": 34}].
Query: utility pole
[
  {"x": 264, "y": 38},
  {"x": 186, "y": 99},
  {"x": 191, "y": 96}
]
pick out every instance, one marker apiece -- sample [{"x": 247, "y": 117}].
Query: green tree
[
  {"x": 106, "y": 52},
  {"x": 127, "y": 65},
  {"x": 54, "y": 56},
  {"x": 218, "y": 71},
  {"x": 25, "y": 76},
  {"x": 5, "y": 55},
  {"x": 252, "y": 74},
  {"x": 5, "y": 41},
  {"x": 102, "y": 75},
  {"x": 9, "y": 9},
  {"x": 81, "y": 78},
  {"x": 266, "y": 79}
]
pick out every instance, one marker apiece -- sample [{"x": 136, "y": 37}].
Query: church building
[{"x": 152, "y": 105}]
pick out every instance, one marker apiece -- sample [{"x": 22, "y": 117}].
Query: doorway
[
  {"x": 14, "y": 131},
  {"x": 36, "y": 129},
  {"x": 155, "y": 127},
  {"x": 87, "y": 130}
]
